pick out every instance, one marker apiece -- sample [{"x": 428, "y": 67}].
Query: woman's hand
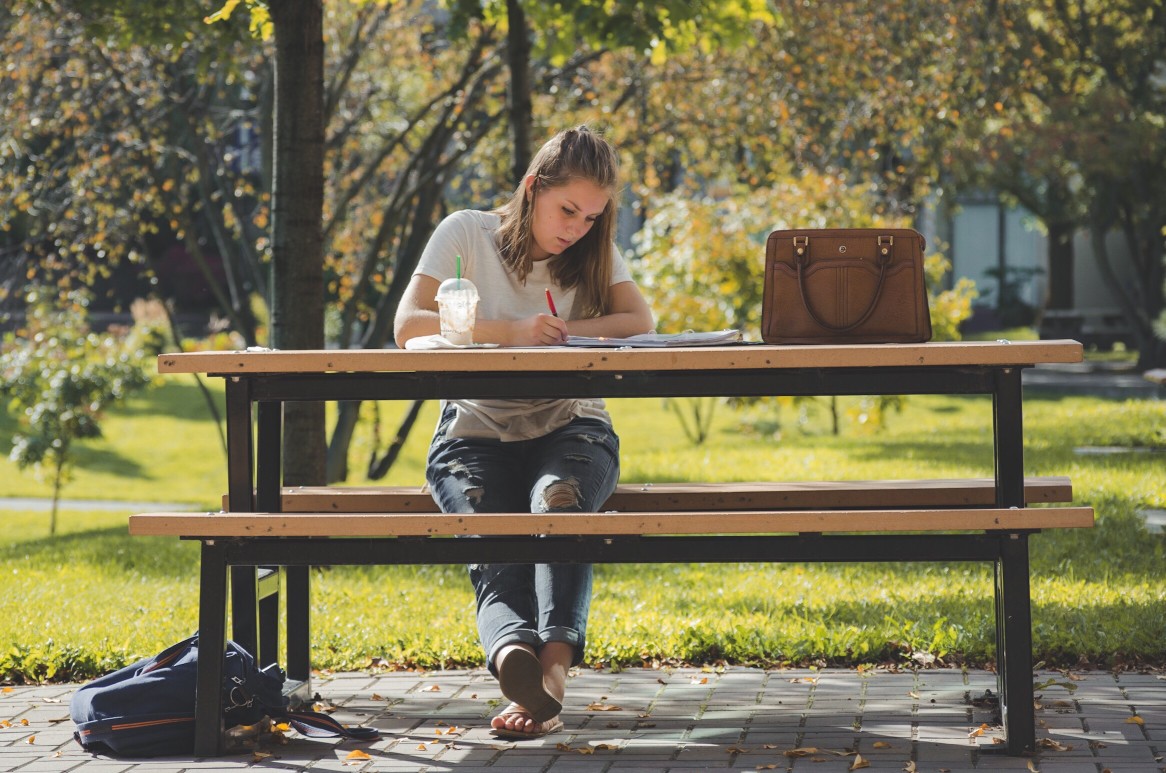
[{"x": 539, "y": 330}]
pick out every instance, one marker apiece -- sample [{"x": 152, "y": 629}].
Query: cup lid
[{"x": 454, "y": 285}]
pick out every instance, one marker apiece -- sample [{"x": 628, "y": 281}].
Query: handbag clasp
[{"x": 801, "y": 244}]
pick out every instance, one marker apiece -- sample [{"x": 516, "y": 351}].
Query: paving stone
[{"x": 699, "y": 721}]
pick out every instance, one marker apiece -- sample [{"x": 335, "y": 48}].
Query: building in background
[{"x": 1004, "y": 250}]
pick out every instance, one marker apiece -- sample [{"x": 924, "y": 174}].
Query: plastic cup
[{"x": 457, "y": 307}]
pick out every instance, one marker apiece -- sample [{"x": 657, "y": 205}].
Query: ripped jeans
[{"x": 573, "y": 469}]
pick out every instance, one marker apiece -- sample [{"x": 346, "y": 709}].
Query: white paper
[
  {"x": 438, "y": 341},
  {"x": 659, "y": 340}
]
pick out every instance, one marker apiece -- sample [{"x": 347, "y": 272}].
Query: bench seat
[
  {"x": 208, "y": 525},
  {"x": 644, "y": 497}
]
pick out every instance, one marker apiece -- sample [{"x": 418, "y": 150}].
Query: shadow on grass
[
  {"x": 107, "y": 460},
  {"x": 107, "y": 551},
  {"x": 182, "y": 400}
]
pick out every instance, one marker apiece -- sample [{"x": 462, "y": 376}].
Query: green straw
[{"x": 459, "y": 272}]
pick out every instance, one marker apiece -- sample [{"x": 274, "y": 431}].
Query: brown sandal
[
  {"x": 547, "y": 727},
  {"x": 520, "y": 675}
]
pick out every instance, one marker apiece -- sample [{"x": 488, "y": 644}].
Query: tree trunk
[
  {"x": 58, "y": 481},
  {"x": 1060, "y": 255},
  {"x": 378, "y": 468},
  {"x": 518, "y": 57},
  {"x": 297, "y": 195}
]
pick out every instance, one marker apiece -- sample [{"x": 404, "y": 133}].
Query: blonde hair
[{"x": 573, "y": 154}]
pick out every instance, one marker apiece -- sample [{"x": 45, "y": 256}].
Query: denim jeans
[{"x": 573, "y": 469}]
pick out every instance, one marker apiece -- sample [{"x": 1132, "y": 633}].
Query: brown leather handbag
[{"x": 845, "y": 285}]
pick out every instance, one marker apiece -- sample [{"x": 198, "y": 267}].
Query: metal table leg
[
  {"x": 1013, "y": 612},
  {"x": 212, "y": 643}
]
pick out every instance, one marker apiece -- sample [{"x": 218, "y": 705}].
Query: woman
[{"x": 554, "y": 234}]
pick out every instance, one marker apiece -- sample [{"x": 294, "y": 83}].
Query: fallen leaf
[
  {"x": 607, "y": 746},
  {"x": 584, "y": 750},
  {"x": 913, "y": 694},
  {"x": 422, "y": 747},
  {"x": 1032, "y": 767},
  {"x": 5, "y": 723},
  {"x": 377, "y": 697},
  {"x": 859, "y": 762},
  {"x": 24, "y": 723},
  {"x": 802, "y": 751},
  {"x": 699, "y": 680},
  {"x": 910, "y": 767},
  {"x": 1097, "y": 745},
  {"x": 431, "y": 688},
  {"x": 259, "y": 756},
  {"x": 767, "y": 767},
  {"x": 31, "y": 739},
  {"x": 977, "y": 732},
  {"x": 1135, "y": 720},
  {"x": 6, "y": 690},
  {"x": 807, "y": 751},
  {"x": 1057, "y": 746},
  {"x": 604, "y": 707},
  {"x": 357, "y": 754},
  {"x": 881, "y": 745}
]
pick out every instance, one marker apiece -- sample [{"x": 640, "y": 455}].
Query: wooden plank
[
  {"x": 725, "y": 522},
  {"x": 783, "y": 495},
  {"x": 939, "y": 353}
]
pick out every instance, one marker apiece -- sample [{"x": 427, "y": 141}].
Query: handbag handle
[{"x": 801, "y": 256}]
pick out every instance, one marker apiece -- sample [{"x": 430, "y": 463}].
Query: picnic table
[{"x": 265, "y": 524}]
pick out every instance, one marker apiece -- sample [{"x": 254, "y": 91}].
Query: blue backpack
[{"x": 147, "y": 709}]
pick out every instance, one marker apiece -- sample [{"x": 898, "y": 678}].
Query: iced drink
[{"x": 457, "y": 306}]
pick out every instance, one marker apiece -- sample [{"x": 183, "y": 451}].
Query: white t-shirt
[{"x": 471, "y": 234}]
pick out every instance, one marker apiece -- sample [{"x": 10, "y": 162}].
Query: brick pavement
[{"x": 644, "y": 721}]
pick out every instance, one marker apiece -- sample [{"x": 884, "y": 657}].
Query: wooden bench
[
  {"x": 267, "y": 524},
  {"x": 644, "y": 523},
  {"x": 641, "y": 497}
]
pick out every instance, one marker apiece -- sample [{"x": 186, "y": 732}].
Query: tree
[
  {"x": 1081, "y": 120},
  {"x": 112, "y": 151},
  {"x": 297, "y": 206},
  {"x": 561, "y": 30},
  {"x": 60, "y": 378}
]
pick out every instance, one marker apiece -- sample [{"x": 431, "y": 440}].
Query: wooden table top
[{"x": 699, "y": 358}]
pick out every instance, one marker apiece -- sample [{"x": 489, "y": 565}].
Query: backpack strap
[{"x": 313, "y": 724}]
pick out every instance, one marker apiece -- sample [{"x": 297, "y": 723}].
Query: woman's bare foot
[
  {"x": 515, "y": 722},
  {"x": 520, "y": 675},
  {"x": 523, "y": 684}
]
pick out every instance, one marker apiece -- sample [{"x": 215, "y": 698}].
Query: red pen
[{"x": 551, "y": 303}]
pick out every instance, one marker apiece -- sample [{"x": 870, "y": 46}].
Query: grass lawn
[{"x": 91, "y": 599}]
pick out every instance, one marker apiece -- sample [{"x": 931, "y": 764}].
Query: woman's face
[{"x": 564, "y": 214}]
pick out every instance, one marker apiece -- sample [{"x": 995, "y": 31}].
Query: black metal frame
[{"x": 256, "y": 488}]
